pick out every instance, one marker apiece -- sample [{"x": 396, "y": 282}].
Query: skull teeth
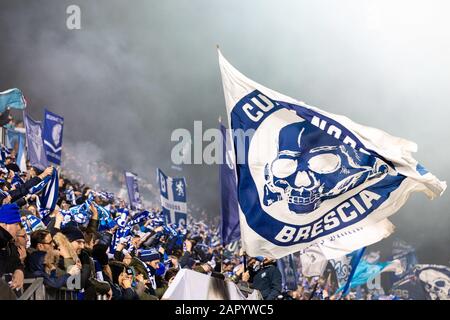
[{"x": 313, "y": 197}]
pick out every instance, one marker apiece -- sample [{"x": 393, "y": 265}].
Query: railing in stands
[{"x": 35, "y": 290}]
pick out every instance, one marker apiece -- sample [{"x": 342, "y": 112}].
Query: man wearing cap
[
  {"x": 151, "y": 258},
  {"x": 9, "y": 255}
]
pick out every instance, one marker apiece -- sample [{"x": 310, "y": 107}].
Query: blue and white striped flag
[
  {"x": 4, "y": 153},
  {"x": 50, "y": 194}
]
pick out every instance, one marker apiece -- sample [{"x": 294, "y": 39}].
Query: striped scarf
[{"x": 32, "y": 223}]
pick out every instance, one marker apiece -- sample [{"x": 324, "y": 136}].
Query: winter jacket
[
  {"x": 35, "y": 267},
  {"x": 268, "y": 282},
  {"x": 9, "y": 255}
]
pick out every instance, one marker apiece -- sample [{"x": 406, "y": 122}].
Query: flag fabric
[
  {"x": 35, "y": 145},
  {"x": 230, "y": 230},
  {"x": 409, "y": 288},
  {"x": 173, "y": 198},
  {"x": 12, "y": 98},
  {"x": 355, "y": 258},
  {"x": 133, "y": 190},
  {"x": 288, "y": 270},
  {"x": 122, "y": 217},
  {"x": 21, "y": 160},
  {"x": 435, "y": 279},
  {"x": 53, "y": 136},
  {"x": 49, "y": 196},
  {"x": 314, "y": 258},
  {"x": 139, "y": 218},
  {"x": 407, "y": 255},
  {"x": 313, "y": 261},
  {"x": 4, "y": 153},
  {"x": 305, "y": 175},
  {"x": 105, "y": 218},
  {"x": 366, "y": 272}
]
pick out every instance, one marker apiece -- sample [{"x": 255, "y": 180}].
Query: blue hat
[
  {"x": 149, "y": 255},
  {"x": 260, "y": 258},
  {"x": 9, "y": 213}
]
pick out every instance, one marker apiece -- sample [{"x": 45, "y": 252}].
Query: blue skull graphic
[{"x": 312, "y": 166}]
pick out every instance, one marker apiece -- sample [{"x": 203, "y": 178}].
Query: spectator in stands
[
  {"x": 152, "y": 258},
  {"x": 125, "y": 288},
  {"x": 10, "y": 262},
  {"x": 264, "y": 276}
]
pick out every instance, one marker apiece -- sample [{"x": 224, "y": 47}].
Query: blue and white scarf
[{"x": 32, "y": 223}]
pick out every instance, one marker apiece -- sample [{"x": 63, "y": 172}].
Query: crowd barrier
[{"x": 34, "y": 289}]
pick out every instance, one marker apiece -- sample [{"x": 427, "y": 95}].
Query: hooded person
[{"x": 10, "y": 262}]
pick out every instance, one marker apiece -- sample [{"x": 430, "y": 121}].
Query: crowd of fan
[
  {"x": 119, "y": 258},
  {"x": 130, "y": 255}
]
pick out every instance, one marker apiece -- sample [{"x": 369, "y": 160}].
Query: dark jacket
[
  {"x": 9, "y": 255},
  {"x": 187, "y": 260},
  {"x": 36, "y": 268},
  {"x": 268, "y": 282},
  {"x": 120, "y": 293}
]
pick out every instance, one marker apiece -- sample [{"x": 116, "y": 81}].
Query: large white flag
[{"x": 306, "y": 176}]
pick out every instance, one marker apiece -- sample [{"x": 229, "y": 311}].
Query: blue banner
[
  {"x": 133, "y": 190},
  {"x": 230, "y": 229},
  {"x": 53, "y": 136},
  {"x": 407, "y": 255},
  {"x": 289, "y": 275},
  {"x": 173, "y": 198},
  {"x": 35, "y": 144},
  {"x": 356, "y": 257}
]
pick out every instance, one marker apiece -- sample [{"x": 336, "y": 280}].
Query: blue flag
[
  {"x": 407, "y": 256},
  {"x": 53, "y": 134},
  {"x": 173, "y": 198},
  {"x": 289, "y": 276},
  {"x": 230, "y": 230},
  {"x": 355, "y": 258},
  {"x": 12, "y": 98},
  {"x": 35, "y": 143},
  {"x": 13, "y": 136},
  {"x": 133, "y": 190}
]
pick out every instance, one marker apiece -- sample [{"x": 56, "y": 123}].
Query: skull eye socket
[
  {"x": 325, "y": 163},
  {"x": 282, "y": 168},
  {"x": 440, "y": 283}
]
